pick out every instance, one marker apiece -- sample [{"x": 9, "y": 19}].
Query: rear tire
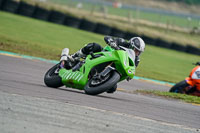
[
  {"x": 95, "y": 90},
  {"x": 52, "y": 79},
  {"x": 179, "y": 87}
]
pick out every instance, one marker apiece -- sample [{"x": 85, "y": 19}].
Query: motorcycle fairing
[
  {"x": 194, "y": 78},
  {"x": 124, "y": 64}
]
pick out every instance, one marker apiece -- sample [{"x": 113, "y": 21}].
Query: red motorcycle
[{"x": 191, "y": 84}]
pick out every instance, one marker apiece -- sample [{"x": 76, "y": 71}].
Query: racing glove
[{"x": 111, "y": 42}]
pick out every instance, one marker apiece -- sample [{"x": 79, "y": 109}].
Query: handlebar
[{"x": 196, "y": 64}]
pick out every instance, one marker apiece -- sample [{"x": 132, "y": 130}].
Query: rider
[
  {"x": 135, "y": 43},
  {"x": 194, "y": 80}
]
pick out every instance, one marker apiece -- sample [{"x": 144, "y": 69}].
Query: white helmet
[{"x": 137, "y": 43}]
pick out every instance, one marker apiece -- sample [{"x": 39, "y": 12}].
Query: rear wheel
[
  {"x": 179, "y": 87},
  {"x": 97, "y": 85},
  {"x": 52, "y": 79}
]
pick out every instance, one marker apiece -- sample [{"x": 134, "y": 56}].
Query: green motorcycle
[{"x": 99, "y": 72}]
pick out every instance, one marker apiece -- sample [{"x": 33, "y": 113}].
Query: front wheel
[
  {"x": 179, "y": 87},
  {"x": 52, "y": 79},
  {"x": 94, "y": 87}
]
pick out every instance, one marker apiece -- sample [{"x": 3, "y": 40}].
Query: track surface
[{"x": 25, "y": 77}]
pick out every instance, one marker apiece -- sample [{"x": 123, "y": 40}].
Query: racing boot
[
  {"x": 68, "y": 61},
  {"x": 64, "y": 57}
]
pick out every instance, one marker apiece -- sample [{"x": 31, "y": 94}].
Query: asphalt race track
[{"x": 27, "y": 105}]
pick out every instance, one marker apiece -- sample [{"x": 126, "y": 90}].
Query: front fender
[{"x": 125, "y": 65}]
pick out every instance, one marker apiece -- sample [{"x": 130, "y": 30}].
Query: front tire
[
  {"x": 52, "y": 79},
  {"x": 95, "y": 90},
  {"x": 179, "y": 87}
]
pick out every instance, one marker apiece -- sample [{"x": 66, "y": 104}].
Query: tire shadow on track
[{"x": 100, "y": 96}]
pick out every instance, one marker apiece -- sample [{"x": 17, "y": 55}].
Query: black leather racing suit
[{"x": 95, "y": 47}]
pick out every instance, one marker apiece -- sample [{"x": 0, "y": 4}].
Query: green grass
[
  {"x": 183, "y": 97},
  {"x": 154, "y": 17},
  {"x": 165, "y": 64},
  {"x": 29, "y": 36},
  {"x": 154, "y": 30},
  {"x": 140, "y": 27},
  {"x": 42, "y": 39}
]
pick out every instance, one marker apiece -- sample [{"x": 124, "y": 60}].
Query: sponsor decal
[
  {"x": 129, "y": 71},
  {"x": 125, "y": 62},
  {"x": 72, "y": 76}
]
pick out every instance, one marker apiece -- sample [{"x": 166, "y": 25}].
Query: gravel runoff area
[{"x": 19, "y": 114}]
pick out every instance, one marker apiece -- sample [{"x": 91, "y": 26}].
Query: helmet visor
[
  {"x": 137, "y": 52},
  {"x": 137, "y": 43}
]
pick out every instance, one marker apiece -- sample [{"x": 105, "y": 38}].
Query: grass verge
[{"x": 182, "y": 97}]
